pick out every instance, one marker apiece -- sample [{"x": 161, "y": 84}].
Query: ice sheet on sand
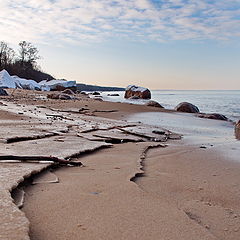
[{"x": 6, "y": 81}]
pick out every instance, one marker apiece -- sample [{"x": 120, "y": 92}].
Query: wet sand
[{"x": 184, "y": 191}]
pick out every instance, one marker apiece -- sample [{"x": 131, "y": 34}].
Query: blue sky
[{"x": 160, "y": 44}]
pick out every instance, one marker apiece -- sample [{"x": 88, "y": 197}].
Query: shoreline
[{"x": 112, "y": 184}]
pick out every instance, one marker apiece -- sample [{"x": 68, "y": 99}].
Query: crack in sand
[
  {"x": 141, "y": 164},
  {"x": 29, "y": 138}
]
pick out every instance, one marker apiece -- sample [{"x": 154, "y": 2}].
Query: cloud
[{"x": 80, "y": 21}]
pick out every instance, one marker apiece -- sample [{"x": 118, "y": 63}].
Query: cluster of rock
[
  {"x": 190, "y": 108},
  {"x": 7, "y": 81},
  {"x": 67, "y": 94},
  {"x": 135, "y": 92}
]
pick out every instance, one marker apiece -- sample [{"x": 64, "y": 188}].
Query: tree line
[{"x": 22, "y": 63}]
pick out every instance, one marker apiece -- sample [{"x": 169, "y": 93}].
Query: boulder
[
  {"x": 98, "y": 99},
  {"x": 237, "y": 130},
  {"x": 96, "y": 93},
  {"x": 60, "y": 96},
  {"x": 3, "y": 92},
  {"x": 68, "y": 91},
  {"x": 186, "y": 107},
  {"x": 113, "y": 95},
  {"x": 134, "y": 97},
  {"x": 6, "y": 81},
  {"x": 215, "y": 116},
  {"x": 140, "y": 92},
  {"x": 238, "y": 124},
  {"x": 154, "y": 104}
]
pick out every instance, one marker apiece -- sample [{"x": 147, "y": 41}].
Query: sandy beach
[{"x": 136, "y": 182}]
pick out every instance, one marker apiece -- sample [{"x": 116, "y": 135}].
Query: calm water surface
[{"x": 224, "y": 102}]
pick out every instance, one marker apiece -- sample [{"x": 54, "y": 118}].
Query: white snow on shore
[
  {"x": 7, "y": 81},
  {"x": 52, "y": 84}
]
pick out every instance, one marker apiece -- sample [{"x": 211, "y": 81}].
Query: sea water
[
  {"x": 223, "y": 102},
  {"x": 208, "y": 101}
]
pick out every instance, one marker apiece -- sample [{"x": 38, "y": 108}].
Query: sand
[{"x": 182, "y": 191}]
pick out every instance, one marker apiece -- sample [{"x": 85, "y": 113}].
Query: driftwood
[
  {"x": 58, "y": 116},
  {"x": 39, "y": 158},
  {"x": 81, "y": 110},
  {"x": 105, "y": 111}
]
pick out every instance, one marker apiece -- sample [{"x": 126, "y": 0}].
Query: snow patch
[
  {"x": 135, "y": 88},
  {"x": 26, "y": 84},
  {"x": 52, "y": 84},
  {"x": 6, "y": 81}
]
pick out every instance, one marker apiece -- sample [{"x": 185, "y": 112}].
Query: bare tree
[
  {"x": 24, "y": 64},
  {"x": 28, "y": 53},
  {"x": 7, "y": 55}
]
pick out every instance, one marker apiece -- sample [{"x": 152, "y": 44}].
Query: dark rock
[
  {"x": 238, "y": 124},
  {"x": 3, "y": 92},
  {"x": 215, "y": 116},
  {"x": 60, "y": 96},
  {"x": 134, "y": 97},
  {"x": 140, "y": 92},
  {"x": 154, "y": 104},
  {"x": 62, "y": 88},
  {"x": 68, "y": 91},
  {"x": 98, "y": 99},
  {"x": 95, "y": 93},
  {"x": 186, "y": 107},
  {"x": 159, "y": 132},
  {"x": 237, "y": 130},
  {"x": 113, "y": 95}
]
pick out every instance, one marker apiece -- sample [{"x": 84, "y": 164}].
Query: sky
[{"x": 159, "y": 44}]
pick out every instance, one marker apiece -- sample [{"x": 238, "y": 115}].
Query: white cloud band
[{"x": 79, "y": 21}]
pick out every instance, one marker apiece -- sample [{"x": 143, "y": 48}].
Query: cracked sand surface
[
  {"x": 31, "y": 130},
  {"x": 105, "y": 204}
]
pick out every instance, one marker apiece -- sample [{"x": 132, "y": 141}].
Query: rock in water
[
  {"x": 96, "y": 93},
  {"x": 186, "y": 107},
  {"x": 113, "y": 95},
  {"x": 134, "y": 97},
  {"x": 238, "y": 124},
  {"x": 3, "y": 92},
  {"x": 135, "y": 91},
  {"x": 215, "y": 116},
  {"x": 154, "y": 104},
  {"x": 237, "y": 130}
]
